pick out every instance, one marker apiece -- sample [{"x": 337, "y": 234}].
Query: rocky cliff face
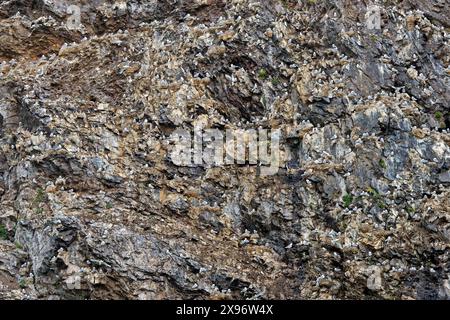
[{"x": 92, "y": 205}]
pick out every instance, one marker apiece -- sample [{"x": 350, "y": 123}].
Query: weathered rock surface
[{"x": 92, "y": 207}]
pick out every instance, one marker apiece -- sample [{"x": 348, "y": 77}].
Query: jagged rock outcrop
[{"x": 93, "y": 207}]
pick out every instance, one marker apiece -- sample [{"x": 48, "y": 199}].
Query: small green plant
[
  {"x": 22, "y": 283},
  {"x": 275, "y": 81},
  {"x": 40, "y": 196},
  {"x": 382, "y": 163},
  {"x": 381, "y": 204},
  {"x": 262, "y": 73},
  {"x": 438, "y": 115},
  {"x": 410, "y": 209},
  {"x": 347, "y": 199},
  {"x": 18, "y": 245},
  {"x": 3, "y": 232},
  {"x": 376, "y": 197},
  {"x": 373, "y": 192},
  {"x": 109, "y": 205}
]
